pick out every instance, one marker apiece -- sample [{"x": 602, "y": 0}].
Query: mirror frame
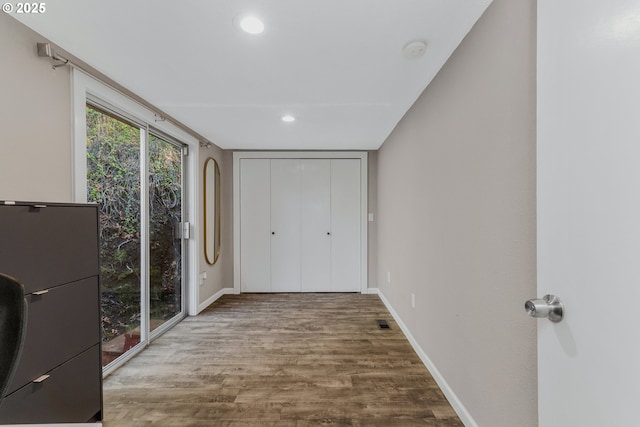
[{"x": 211, "y": 221}]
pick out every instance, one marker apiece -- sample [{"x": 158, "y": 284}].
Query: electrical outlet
[
  {"x": 203, "y": 277},
  {"x": 413, "y": 300},
  {"x": 388, "y": 277}
]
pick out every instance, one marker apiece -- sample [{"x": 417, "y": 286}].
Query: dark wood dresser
[{"x": 52, "y": 249}]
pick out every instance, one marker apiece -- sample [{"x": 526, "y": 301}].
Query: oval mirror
[{"x": 211, "y": 211}]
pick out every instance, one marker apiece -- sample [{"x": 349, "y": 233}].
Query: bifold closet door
[
  {"x": 345, "y": 225},
  {"x": 255, "y": 225},
  {"x": 285, "y": 225},
  {"x": 300, "y": 225},
  {"x": 315, "y": 218}
]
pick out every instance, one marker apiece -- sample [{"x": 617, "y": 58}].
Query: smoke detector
[{"x": 414, "y": 49}]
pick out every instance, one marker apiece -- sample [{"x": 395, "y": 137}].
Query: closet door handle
[
  {"x": 273, "y": 232},
  {"x": 328, "y": 233}
]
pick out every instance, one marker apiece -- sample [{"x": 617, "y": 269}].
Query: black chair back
[{"x": 13, "y": 319}]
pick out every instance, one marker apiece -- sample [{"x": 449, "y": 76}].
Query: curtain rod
[{"x": 44, "y": 50}]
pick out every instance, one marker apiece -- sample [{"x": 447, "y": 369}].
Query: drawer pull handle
[
  {"x": 46, "y": 291},
  {"x": 39, "y": 206},
  {"x": 41, "y": 378}
]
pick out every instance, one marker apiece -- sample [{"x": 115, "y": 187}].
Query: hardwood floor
[{"x": 279, "y": 360}]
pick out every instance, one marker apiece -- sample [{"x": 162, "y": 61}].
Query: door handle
[{"x": 549, "y": 306}]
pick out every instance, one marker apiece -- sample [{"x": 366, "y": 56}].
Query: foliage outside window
[{"x": 113, "y": 182}]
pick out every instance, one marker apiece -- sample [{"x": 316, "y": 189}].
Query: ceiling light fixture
[
  {"x": 251, "y": 25},
  {"x": 414, "y": 49},
  {"x": 288, "y": 118}
]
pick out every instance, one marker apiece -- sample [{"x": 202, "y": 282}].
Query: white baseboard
[
  {"x": 457, "y": 405},
  {"x": 213, "y": 298}
]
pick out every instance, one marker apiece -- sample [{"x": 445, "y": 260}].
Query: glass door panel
[
  {"x": 165, "y": 242},
  {"x": 113, "y": 182}
]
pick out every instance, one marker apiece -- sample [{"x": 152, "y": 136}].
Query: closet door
[
  {"x": 285, "y": 225},
  {"x": 345, "y": 225},
  {"x": 255, "y": 226},
  {"x": 315, "y": 198}
]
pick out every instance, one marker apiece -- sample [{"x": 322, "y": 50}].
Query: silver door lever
[{"x": 549, "y": 306}]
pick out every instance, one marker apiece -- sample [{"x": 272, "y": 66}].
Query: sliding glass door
[
  {"x": 135, "y": 175},
  {"x": 165, "y": 242}
]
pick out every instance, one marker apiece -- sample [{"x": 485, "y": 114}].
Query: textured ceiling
[{"x": 336, "y": 65}]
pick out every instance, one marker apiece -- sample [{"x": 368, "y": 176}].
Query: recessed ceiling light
[
  {"x": 288, "y": 118},
  {"x": 251, "y": 25}
]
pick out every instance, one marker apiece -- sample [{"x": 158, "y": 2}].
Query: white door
[
  {"x": 255, "y": 223},
  {"x": 285, "y": 225},
  {"x": 315, "y": 205},
  {"x": 299, "y": 224},
  {"x": 345, "y": 225},
  {"x": 589, "y": 211}
]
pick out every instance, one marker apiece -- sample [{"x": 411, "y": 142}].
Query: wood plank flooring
[{"x": 279, "y": 360}]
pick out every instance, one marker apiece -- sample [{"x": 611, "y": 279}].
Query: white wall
[
  {"x": 227, "y": 219},
  {"x": 372, "y": 229},
  {"x": 456, "y": 218},
  {"x": 35, "y": 120},
  {"x": 218, "y": 274}
]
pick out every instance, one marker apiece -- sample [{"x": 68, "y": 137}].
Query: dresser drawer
[
  {"x": 48, "y": 246},
  {"x": 61, "y": 323},
  {"x": 71, "y": 393}
]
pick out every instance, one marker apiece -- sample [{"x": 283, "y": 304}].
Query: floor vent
[{"x": 383, "y": 324}]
